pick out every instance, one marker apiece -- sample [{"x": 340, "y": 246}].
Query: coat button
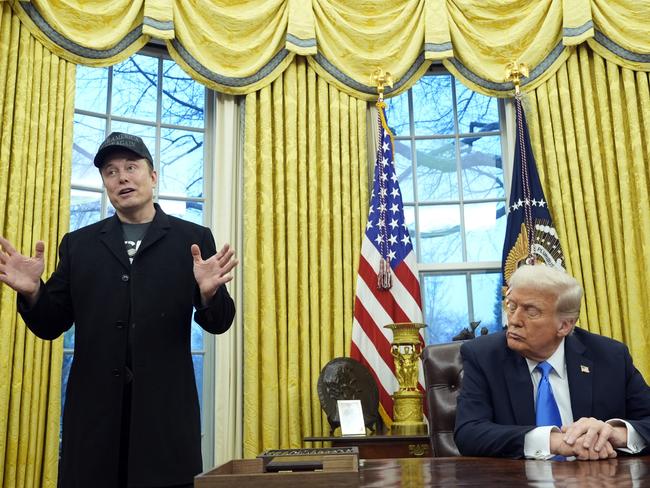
[
  {"x": 125, "y": 277},
  {"x": 116, "y": 372}
]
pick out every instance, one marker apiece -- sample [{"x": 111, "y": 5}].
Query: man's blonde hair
[{"x": 551, "y": 280}]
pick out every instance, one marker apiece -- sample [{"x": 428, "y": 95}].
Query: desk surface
[{"x": 466, "y": 471}]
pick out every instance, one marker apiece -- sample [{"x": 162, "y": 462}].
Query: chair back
[{"x": 443, "y": 376}]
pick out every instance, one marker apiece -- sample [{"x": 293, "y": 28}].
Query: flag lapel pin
[{"x": 584, "y": 369}]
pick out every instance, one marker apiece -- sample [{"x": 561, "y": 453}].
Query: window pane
[
  {"x": 197, "y": 337},
  {"x": 85, "y": 208},
  {"x": 404, "y": 170},
  {"x": 440, "y": 236},
  {"x": 476, "y": 112},
  {"x": 197, "y": 359},
  {"x": 91, "y": 89},
  {"x": 67, "y": 363},
  {"x": 68, "y": 338},
  {"x": 485, "y": 227},
  {"x": 192, "y": 211},
  {"x": 436, "y": 167},
  {"x": 486, "y": 298},
  {"x": 181, "y": 163},
  {"x": 445, "y": 306},
  {"x": 433, "y": 105},
  {"x": 397, "y": 114},
  {"x": 147, "y": 132},
  {"x": 480, "y": 159},
  {"x": 88, "y": 135},
  {"x": 183, "y": 99},
  {"x": 135, "y": 83}
]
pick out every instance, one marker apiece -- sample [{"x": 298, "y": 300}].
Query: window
[
  {"x": 150, "y": 96},
  {"x": 449, "y": 143}
]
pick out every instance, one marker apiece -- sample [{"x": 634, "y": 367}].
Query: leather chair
[{"x": 443, "y": 376}]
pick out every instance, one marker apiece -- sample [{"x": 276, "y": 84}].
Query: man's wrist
[
  {"x": 32, "y": 297},
  {"x": 555, "y": 442},
  {"x": 619, "y": 438}
]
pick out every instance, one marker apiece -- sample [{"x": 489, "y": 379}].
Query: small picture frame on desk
[{"x": 351, "y": 417}]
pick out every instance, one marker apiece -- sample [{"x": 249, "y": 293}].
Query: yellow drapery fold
[
  {"x": 305, "y": 200},
  {"x": 590, "y": 129},
  {"x": 36, "y": 114},
  {"x": 239, "y": 48}
]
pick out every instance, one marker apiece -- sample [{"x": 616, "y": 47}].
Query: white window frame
[{"x": 507, "y": 134}]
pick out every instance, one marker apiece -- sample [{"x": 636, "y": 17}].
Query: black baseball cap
[{"x": 120, "y": 140}]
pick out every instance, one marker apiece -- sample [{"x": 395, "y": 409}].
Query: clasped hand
[
  {"x": 213, "y": 272},
  {"x": 589, "y": 439}
]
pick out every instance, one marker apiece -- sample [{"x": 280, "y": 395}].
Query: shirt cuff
[
  {"x": 537, "y": 442},
  {"x": 635, "y": 443}
]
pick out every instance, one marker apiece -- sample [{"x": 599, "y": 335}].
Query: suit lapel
[
  {"x": 111, "y": 236},
  {"x": 520, "y": 388},
  {"x": 580, "y": 375}
]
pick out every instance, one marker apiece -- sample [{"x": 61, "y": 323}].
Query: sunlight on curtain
[
  {"x": 36, "y": 113},
  {"x": 590, "y": 128},
  {"x": 305, "y": 203}
]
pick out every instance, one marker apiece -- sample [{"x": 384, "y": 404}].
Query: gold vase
[{"x": 406, "y": 349}]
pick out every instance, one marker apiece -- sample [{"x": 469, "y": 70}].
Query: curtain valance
[{"x": 238, "y": 47}]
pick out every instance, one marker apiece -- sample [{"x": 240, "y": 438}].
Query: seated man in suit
[{"x": 586, "y": 399}]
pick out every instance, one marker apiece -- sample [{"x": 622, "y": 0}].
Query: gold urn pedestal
[
  {"x": 407, "y": 412},
  {"x": 406, "y": 349}
]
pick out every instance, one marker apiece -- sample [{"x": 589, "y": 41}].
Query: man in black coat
[
  {"x": 600, "y": 401},
  {"x": 129, "y": 284}
]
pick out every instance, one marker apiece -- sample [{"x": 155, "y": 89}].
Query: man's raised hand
[
  {"x": 213, "y": 272},
  {"x": 22, "y": 273}
]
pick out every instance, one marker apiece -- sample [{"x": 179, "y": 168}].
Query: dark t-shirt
[{"x": 133, "y": 235}]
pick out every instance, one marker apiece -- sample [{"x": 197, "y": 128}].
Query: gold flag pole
[
  {"x": 381, "y": 79},
  {"x": 514, "y": 72}
]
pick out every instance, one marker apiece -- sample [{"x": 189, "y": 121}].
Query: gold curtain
[
  {"x": 36, "y": 114},
  {"x": 590, "y": 128},
  {"x": 305, "y": 202},
  {"x": 238, "y": 49}
]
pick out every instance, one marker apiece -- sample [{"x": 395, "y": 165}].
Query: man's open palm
[
  {"x": 213, "y": 272},
  {"x": 22, "y": 273}
]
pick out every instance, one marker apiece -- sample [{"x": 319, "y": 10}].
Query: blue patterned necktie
[{"x": 547, "y": 412}]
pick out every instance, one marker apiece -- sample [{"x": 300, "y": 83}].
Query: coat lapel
[
  {"x": 112, "y": 237},
  {"x": 520, "y": 388},
  {"x": 156, "y": 231},
  {"x": 580, "y": 375}
]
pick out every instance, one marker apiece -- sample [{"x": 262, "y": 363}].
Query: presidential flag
[
  {"x": 530, "y": 235},
  {"x": 388, "y": 290}
]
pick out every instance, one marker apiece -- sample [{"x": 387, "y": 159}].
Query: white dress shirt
[{"x": 537, "y": 442}]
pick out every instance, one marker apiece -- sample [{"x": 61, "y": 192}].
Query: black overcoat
[{"x": 95, "y": 287}]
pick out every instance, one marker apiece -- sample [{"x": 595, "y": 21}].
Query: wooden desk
[
  {"x": 478, "y": 472},
  {"x": 382, "y": 446}
]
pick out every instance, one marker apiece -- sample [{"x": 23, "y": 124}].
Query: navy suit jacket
[{"x": 496, "y": 408}]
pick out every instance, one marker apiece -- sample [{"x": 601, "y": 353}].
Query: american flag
[{"x": 386, "y": 240}]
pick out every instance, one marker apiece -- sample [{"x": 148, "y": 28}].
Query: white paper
[{"x": 351, "y": 417}]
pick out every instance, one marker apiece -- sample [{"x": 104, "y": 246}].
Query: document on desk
[{"x": 351, "y": 417}]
